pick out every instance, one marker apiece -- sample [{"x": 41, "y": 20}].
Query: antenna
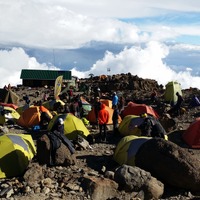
[{"x": 53, "y": 58}]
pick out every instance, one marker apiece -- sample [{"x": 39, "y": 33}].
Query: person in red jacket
[{"x": 103, "y": 117}]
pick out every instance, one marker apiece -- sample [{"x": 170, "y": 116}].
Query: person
[
  {"x": 151, "y": 127},
  {"x": 114, "y": 99},
  {"x": 97, "y": 108},
  {"x": 194, "y": 101},
  {"x": 59, "y": 126},
  {"x": 57, "y": 137},
  {"x": 121, "y": 103},
  {"x": 154, "y": 96},
  {"x": 103, "y": 117},
  {"x": 177, "y": 107},
  {"x": 115, "y": 118}
]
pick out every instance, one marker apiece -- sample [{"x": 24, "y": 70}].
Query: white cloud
[
  {"x": 144, "y": 62},
  {"x": 12, "y": 62}
]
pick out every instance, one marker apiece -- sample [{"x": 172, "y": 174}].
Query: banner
[{"x": 58, "y": 86}]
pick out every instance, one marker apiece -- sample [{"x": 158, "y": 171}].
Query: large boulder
[
  {"x": 134, "y": 179},
  {"x": 62, "y": 155},
  {"x": 169, "y": 163}
]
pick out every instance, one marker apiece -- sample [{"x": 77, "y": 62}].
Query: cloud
[
  {"x": 13, "y": 61},
  {"x": 146, "y": 62}
]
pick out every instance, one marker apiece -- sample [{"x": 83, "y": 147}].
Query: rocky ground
[{"x": 91, "y": 177}]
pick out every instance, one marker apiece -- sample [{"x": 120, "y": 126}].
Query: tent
[
  {"x": 86, "y": 106},
  {"x": 107, "y": 102},
  {"x": 8, "y": 96},
  {"x": 192, "y": 134},
  {"x": 92, "y": 118},
  {"x": 73, "y": 126},
  {"x": 171, "y": 88},
  {"x": 8, "y": 114},
  {"x": 127, "y": 148},
  {"x": 129, "y": 124},
  {"x": 31, "y": 117},
  {"x": 50, "y": 104},
  {"x": 138, "y": 109},
  {"x": 9, "y": 105},
  {"x": 16, "y": 152}
]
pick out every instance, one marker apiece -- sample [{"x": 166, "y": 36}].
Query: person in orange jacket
[{"x": 103, "y": 117}]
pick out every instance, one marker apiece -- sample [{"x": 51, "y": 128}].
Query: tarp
[
  {"x": 192, "y": 134},
  {"x": 10, "y": 114},
  {"x": 8, "y": 96},
  {"x": 31, "y": 117},
  {"x": 138, "y": 109},
  {"x": 92, "y": 118},
  {"x": 127, "y": 148},
  {"x": 16, "y": 152},
  {"x": 171, "y": 88},
  {"x": 73, "y": 126},
  {"x": 129, "y": 125}
]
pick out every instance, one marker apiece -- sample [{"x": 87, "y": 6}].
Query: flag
[{"x": 58, "y": 86}]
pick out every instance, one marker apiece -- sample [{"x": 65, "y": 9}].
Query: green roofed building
[{"x": 38, "y": 78}]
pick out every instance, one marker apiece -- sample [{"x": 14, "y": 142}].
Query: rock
[
  {"x": 134, "y": 179},
  {"x": 64, "y": 157},
  {"x": 62, "y": 154},
  {"x": 170, "y": 163},
  {"x": 43, "y": 150},
  {"x": 100, "y": 188},
  {"x": 33, "y": 174}
]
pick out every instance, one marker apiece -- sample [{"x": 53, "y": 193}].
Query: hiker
[
  {"x": 121, "y": 103},
  {"x": 103, "y": 117},
  {"x": 26, "y": 99},
  {"x": 177, "y": 107},
  {"x": 114, "y": 99},
  {"x": 115, "y": 118},
  {"x": 154, "y": 96},
  {"x": 97, "y": 108},
  {"x": 59, "y": 126},
  {"x": 44, "y": 120},
  {"x": 151, "y": 127},
  {"x": 57, "y": 137},
  {"x": 194, "y": 101}
]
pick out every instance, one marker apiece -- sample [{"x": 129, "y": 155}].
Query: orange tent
[
  {"x": 30, "y": 117},
  {"x": 92, "y": 118},
  {"x": 138, "y": 109},
  {"x": 107, "y": 102},
  {"x": 192, "y": 134}
]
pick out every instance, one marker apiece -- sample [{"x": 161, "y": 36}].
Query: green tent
[{"x": 171, "y": 89}]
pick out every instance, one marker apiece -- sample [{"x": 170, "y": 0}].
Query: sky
[{"x": 153, "y": 39}]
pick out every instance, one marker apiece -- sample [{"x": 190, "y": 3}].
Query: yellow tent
[
  {"x": 16, "y": 152},
  {"x": 50, "y": 104},
  {"x": 73, "y": 126},
  {"x": 10, "y": 114},
  {"x": 127, "y": 148},
  {"x": 172, "y": 88},
  {"x": 129, "y": 125}
]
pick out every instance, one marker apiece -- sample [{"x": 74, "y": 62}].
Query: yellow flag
[{"x": 58, "y": 86}]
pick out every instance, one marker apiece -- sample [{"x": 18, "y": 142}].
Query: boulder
[
  {"x": 62, "y": 155},
  {"x": 134, "y": 179},
  {"x": 169, "y": 163}
]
